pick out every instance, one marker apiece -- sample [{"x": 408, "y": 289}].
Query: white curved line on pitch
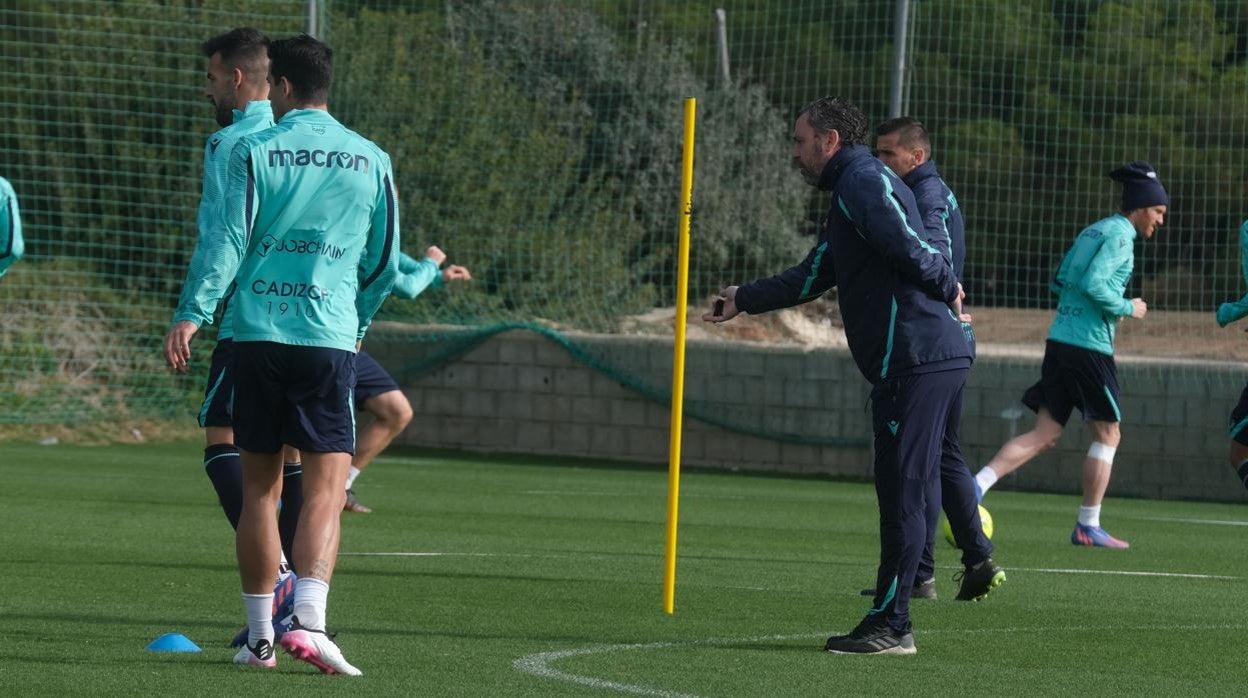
[{"x": 539, "y": 664}]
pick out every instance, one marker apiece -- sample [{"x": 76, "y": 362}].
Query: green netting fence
[{"x": 538, "y": 143}]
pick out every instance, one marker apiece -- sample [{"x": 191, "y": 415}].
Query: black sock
[
  {"x": 1243, "y": 473},
  {"x": 225, "y": 468},
  {"x": 292, "y": 502}
]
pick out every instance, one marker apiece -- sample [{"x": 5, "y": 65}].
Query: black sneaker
[
  {"x": 921, "y": 590},
  {"x": 872, "y": 636},
  {"x": 977, "y": 581}
]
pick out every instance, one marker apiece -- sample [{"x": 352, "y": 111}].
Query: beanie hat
[{"x": 1140, "y": 186}]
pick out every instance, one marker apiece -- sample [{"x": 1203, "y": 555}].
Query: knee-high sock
[
  {"x": 225, "y": 468},
  {"x": 292, "y": 503}
]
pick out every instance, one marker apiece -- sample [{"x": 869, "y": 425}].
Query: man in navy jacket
[
  {"x": 900, "y": 302},
  {"x": 904, "y": 145}
]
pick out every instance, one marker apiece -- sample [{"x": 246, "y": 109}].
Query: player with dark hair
[
  {"x": 904, "y": 145},
  {"x": 313, "y": 227},
  {"x": 237, "y": 86},
  {"x": 900, "y": 301}
]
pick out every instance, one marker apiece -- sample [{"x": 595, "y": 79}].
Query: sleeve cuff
[
  {"x": 742, "y": 299},
  {"x": 196, "y": 320}
]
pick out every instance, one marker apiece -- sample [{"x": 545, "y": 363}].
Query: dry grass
[{"x": 1162, "y": 334}]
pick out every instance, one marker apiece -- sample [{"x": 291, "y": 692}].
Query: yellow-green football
[{"x": 984, "y": 517}]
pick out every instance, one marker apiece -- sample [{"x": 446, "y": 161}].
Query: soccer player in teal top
[
  {"x": 376, "y": 392},
  {"x": 313, "y": 223},
  {"x": 11, "y": 247},
  {"x": 1078, "y": 369},
  {"x": 238, "y": 88},
  {"x": 1229, "y": 312}
]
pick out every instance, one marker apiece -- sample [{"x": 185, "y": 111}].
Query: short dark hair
[
  {"x": 837, "y": 114},
  {"x": 244, "y": 48},
  {"x": 910, "y": 132},
  {"x": 307, "y": 64}
]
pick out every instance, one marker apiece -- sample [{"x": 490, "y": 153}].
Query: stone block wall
[{"x": 520, "y": 392}]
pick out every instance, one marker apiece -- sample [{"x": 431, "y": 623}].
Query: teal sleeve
[
  {"x": 413, "y": 279},
  {"x": 203, "y": 287},
  {"x": 11, "y": 246},
  {"x": 407, "y": 263},
  {"x": 229, "y": 230},
  {"x": 1236, "y": 310},
  {"x": 1097, "y": 282},
  {"x": 380, "y": 262}
]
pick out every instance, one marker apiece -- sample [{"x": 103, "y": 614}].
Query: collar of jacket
[
  {"x": 256, "y": 107},
  {"x": 838, "y": 164},
  {"x": 310, "y": 116},
  {"x": 920, "y": 173}
]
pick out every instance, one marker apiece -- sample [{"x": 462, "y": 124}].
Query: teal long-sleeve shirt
[
  {"x": 415, "y": 275},
  {"x": 11, "y": 246},
  {"x": 313, "y": 226},
  {"x": 1090, "y": 285},
  {"x": 1235, "y": 310},
  {"x": 205, "y": 283}
]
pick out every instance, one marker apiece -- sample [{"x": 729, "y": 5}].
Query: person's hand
[
  {"x": 1138, "y": 308},
  {"x": 956, "y": 305},
  {"x": 436, "y": 254},
  {"x": 723, "y": 307},
  {"x": 456, "y": 273},
  {"x": 178, "y": 345}
]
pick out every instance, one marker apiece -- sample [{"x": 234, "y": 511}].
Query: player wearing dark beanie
[{"x": 1078, "y": 370}]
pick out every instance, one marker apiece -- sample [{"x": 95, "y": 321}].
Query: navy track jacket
[
  {"x": 894, "y": 287},
  {"x": 940, "y": 213}
]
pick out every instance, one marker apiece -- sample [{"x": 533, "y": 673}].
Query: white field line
[
  {"x": 1121, "y": 573},
  {"x": 1044, "y": 570},
  {"x": 1209, "y": 522}
]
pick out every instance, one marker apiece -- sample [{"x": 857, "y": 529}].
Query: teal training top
[
  {"x": 203, "y": 278},
  {"x": 11, "y": 247},
  {"x": 1234, "y": 310},
  {"x": 415, "y": 275},
  {"x": 313, "y": 226},
  {"x": 1090, "y": 285}
]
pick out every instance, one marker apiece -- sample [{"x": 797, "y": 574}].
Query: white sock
[
  {"x": 311, "y": 596},
  {"x": 259, "y": 609},
  {"x": 351, "y": 475},
  {"x": 986, "y": 478},
  {"x": 1090, "y": 516}
]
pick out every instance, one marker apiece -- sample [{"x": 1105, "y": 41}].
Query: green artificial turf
[{"x": 505, "y": 576}]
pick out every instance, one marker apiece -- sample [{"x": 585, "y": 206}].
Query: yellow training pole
[{"x": 678, "y": 359}]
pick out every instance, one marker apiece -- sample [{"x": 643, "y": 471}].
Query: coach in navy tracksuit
[
  {"x": 899, "y": 301},
  {"x": 904, "y": 145}
]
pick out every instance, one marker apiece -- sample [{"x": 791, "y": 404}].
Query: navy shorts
[
  {"x": 1239, "y": 419},
  {"x": 286, "y": 394},
  {"x": 219, "y": 392},
  {"x": 371, "y": 379},
  {"x": 1073, "y": 377}
]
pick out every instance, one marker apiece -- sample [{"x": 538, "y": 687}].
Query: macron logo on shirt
[{"x": 318, "y": 158}]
